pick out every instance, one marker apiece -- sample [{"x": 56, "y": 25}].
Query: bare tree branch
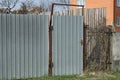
[
  {"x": 47, "y": 5},
  {"x": 8, "y": 4},
  {"x": 29, "y": 4},
  {"x": 23, "y": 9},
  {"x": 14, "y": 4}
]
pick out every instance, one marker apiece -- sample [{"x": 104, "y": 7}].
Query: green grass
[{"x": 86, "y": 76}]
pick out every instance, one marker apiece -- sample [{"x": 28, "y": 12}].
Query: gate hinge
[
  {"x": 81, "y": 42},
  {"x": 50, "y": 28}
]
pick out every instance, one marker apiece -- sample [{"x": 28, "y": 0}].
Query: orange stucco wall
[
  {"x": 112, "y": 10},
  {"x": 109, "y": 5},
  {"x": 73, "y": 2}
]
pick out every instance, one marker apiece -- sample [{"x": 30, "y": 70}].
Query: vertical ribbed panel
[
  {"x": 23, "y": 46},
  {"x": 1, "y": 55},
  {"x": 67, "y": 49}
]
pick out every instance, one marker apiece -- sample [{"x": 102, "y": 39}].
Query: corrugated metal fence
[
  {"x": 23, "y": 46},
  {"x": 67, "y": 49}
]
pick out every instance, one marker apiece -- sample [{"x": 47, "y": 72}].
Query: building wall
[
  {"x": 73, "y": 2},
  {"x": 78, "y": 2},
  {"x": 112, "y": 10},
  {"x": 109, "y": 5},
  {"x": 100, "y": 4},
  {"x": 117, "y": 14}
]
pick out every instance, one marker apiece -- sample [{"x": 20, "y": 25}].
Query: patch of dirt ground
[{"x": 96, "y": 75}]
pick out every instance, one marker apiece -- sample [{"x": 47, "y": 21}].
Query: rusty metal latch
[{"x": 81, "y": 42}]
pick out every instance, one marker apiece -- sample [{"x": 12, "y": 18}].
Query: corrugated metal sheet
[
  {"x": 67, "y": 50},
  {"x": 23, "y": 46}
]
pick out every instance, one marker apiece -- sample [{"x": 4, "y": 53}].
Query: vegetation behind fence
[{"x": 97, "y": 55}]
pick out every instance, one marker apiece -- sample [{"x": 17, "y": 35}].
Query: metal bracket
[
  {"x": 51, "y": 28},
  {"x": 81, "y": 42}
]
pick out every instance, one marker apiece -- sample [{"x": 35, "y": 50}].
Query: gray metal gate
[{"x": 67, "y": 47}]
